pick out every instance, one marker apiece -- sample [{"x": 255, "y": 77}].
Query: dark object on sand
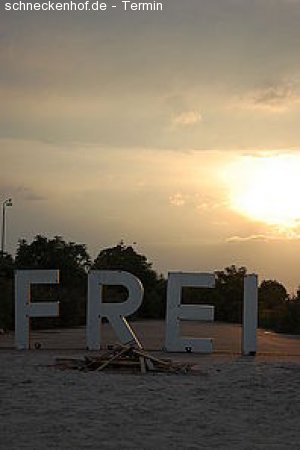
[{"x": 123, "y": 357}]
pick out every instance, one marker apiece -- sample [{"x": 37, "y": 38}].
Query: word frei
[{"x": 116, "y": 313}]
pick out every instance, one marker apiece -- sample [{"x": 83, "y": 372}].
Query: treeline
[{"x": 277, "y": 310}]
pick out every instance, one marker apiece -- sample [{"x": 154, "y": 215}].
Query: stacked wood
[{"x": 123, "y": 357}]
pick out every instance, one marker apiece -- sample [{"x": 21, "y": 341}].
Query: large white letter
[
  {"x": 177, "y": 311},
  {"x": 250, "y": 315},
  {"x": 24, "y": 309},
  {"x": 114, "y": 312}
]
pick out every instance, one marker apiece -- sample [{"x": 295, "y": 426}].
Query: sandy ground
[{"x": 229, "y": 402}]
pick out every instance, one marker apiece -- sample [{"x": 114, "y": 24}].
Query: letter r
[{"x": 114, "y": 312}]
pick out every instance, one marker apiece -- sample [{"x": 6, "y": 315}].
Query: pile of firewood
[{"x": 123, "y": 357}]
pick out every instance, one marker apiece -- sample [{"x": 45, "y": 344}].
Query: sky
[{"x": 177, "y": 130}]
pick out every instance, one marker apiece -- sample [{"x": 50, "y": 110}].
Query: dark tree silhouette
[
  {"x": 277, "y": 310},
  {"x": 229, "y": 293},
  {"x": 271, "y": 295},
  {"x": 122, "y": 257},
  {"x": 6, "y": 291},
  {"x": 73, "y": 261}
]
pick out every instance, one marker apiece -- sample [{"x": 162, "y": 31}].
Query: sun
[{"x": 267, "y": 189}]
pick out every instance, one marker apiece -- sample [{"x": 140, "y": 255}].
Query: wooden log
[
  {"x": 149, "y": 364},
  {"x": 116, "y": 356},
  {"x": 142, "y": 364},
  {"x": 152, "y": 358},
  {"x": 125, "y": 363},
  {"x": 124, "y": 356}
]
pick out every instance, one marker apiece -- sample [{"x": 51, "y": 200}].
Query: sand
[{"x": 229, "y": 402}]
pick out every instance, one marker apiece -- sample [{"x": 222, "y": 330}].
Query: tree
[
  {"x": 229, "y": 293},
  {"x": 72, "y": 261},
  {"x": 7, "y": 290},
  {"x": 272, "y": 304},
  {"x": 271, "y": 295},
  {"x": 122, "y": 257},
  {"x": 290, "y": 322},
  {"x": 6, "y": 264}
]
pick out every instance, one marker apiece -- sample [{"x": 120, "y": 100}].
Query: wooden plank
[
  {"x": 123, "y": 356},
  {"x": 149, "y": 364},
  {"x": 125, "y": 363},
  {"x": 143, "y": 365},
  {"x": 152, "y": 358},
  {"x": 116, "y": 356}
]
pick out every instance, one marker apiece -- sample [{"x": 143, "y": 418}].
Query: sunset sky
[{"x": 178, "y": 130}]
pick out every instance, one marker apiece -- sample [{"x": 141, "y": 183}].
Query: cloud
[
  {"x": 177, "y": 200},
  {"x": 146, "y": 86},
  {"x": 202, "y": 203},
  {"x": 279, "y": 234},
  {"x": 187, "y": 119},
  {"x": 210, "y": 204},
  {"x": 273, "y": 98},
  {"x": 28, "y": 194},
  {"x": 252, "y": 237},
  {"x": 21, "y": 192}
]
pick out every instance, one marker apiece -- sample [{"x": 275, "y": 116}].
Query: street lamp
[{"x": 6, "y": 203}]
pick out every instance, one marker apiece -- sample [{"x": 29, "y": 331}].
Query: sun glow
[{"x": 267, "y": 189}]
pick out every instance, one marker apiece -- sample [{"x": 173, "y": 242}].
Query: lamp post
[{"x": 6, "y": 203}]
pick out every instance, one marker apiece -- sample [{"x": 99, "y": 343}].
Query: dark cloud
[
  {"x": 20, "y": 192},
  {"x": 124, "y": 80}
]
